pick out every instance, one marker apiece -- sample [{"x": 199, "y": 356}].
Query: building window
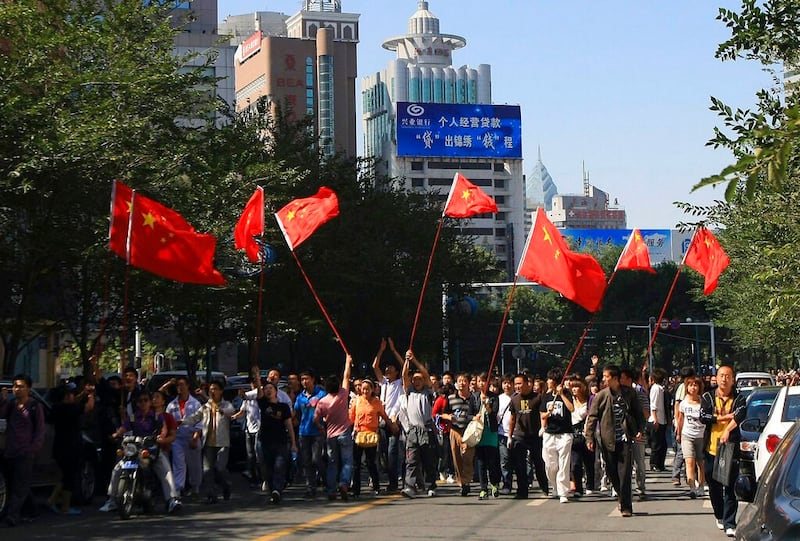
[
  {"x": 500, "y": 183},
  {"x": 500, "y": 233},
  {"x": 417, "y": 182},
  {"x": 500, "y": 199},
  {"x": 499, "y": 167},
  {"x": 500, "y": 216},
  {"x": 417, "y": 166}
]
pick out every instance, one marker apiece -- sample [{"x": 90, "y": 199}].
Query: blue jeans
[{"x": 340, "y": 461}]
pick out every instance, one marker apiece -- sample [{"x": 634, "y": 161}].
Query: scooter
[{"x": 138, "y": 484}]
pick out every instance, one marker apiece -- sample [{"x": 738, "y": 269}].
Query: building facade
[
  {"x": 307, "y": 64},
  {"x": 424, "y": 119}
]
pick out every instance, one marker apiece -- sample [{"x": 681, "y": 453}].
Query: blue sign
[
  {"x": 658, "y": 241},
  {"x": 459, "y": 130}
]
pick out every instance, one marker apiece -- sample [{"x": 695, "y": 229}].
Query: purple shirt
[
  {"x": 142, "y": 425},
  {"x": 24, "y": 429}
]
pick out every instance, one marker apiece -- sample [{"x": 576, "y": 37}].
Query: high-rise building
[
  {"x": 306, "y": 63},
  {"x": 424, "y": 119},
  {"x": 199, "y": 36}
]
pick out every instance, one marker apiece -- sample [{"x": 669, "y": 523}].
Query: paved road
[{"x": 668, "y": 514}]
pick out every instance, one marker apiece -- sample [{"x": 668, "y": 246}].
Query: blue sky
[{"x": 622, "y": 86}]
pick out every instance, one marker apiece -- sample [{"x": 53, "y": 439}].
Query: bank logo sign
[{"x": 458, "y": 130}]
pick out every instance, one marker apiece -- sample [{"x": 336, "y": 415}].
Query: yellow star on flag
[
  {"x": 290, "y": 215},
  {"x": 466, "y": 194},
  {"x": 149, "y": 220},
  {"x": 547, "y": 235}
]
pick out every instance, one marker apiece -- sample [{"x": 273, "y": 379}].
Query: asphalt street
[{"x": 666, "y": 514}]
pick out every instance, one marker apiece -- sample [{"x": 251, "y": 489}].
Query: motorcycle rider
[{"x": 144, "y": 423}]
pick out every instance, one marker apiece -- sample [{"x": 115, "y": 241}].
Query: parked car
[
  {"x": 45, "y": 470},
  {"x": 784, "y": 411},
  {"x": 774, "y": 511},
  {"x": 759, "y": 404},
  {"x": 747, "y": 381}
]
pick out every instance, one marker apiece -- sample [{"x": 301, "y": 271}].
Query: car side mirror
[{"x": 753, "y": 424}]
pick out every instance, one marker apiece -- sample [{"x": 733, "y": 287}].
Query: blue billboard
[
  {"x": 458, "y": 130},
  {"x": 658, "y": 241}
]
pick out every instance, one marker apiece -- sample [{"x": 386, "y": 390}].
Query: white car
[{"x": 784, "y": 412}]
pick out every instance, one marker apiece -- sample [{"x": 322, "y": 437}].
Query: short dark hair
[
  {"x": 24, "y": 377},
  {"x": 629, "y": 373},
  {"x": 555, "y": 374},
  {"x": 219, "y": 383},
  {"x": 131, "y": 370},
  {"x": 310, "y": 373},
  {"x": 687, "y": 371},
  {"x": 525, "y": 376},
  {"x": 613, "y": 370},
  {"x": 332, "y": 384}
]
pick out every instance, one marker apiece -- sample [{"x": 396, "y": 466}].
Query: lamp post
[{"x": 710, "y": 325}]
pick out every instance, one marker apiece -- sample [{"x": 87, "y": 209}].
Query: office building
[
  {"x": 306, "y": 63},
  {"x": 425, "y": 119}
]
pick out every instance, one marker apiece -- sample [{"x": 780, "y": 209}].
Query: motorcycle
[{"x": 138, "y": 484}]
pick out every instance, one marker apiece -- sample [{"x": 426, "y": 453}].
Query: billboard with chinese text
[
  {"x": 658, "y": 241},
  {"x": 458, "y": 130}
]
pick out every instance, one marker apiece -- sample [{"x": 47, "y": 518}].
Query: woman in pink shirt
[{"x": 365, "y": 413}]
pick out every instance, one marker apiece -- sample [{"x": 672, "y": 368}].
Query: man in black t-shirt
[
  {"x": 524, "y": 437},
  {"x": 556, "y": 414},
  {"x": 277, "y": 437}
]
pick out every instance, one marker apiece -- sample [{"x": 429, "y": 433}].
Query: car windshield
[{"x": 791, "y": 409}]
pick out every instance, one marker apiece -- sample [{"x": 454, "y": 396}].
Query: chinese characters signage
[
  {"x": 458, "y": 130},
  {"x": 658, "y": 241}
]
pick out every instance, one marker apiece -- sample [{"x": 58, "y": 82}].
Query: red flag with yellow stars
[
  {"x": 299, "y": 219},
  {"x": 466, "y": 199},
  {"x": 548, "y": 261},
  {"x": 250, "y": 225},
  {"x": 158, "y": 239},
  {"x": 707, "y": 257},
  {"x": 635, "y": 255}
]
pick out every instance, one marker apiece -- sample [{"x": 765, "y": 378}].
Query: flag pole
[
  {"x": 319, "y": 302},
  {"x": 425, "y": 283},
  {"x": 257, "y": 336},
  {"x": 503, "y": 325},
  {"x": 590, "y": 323},
  {"x": 666, "y": 302}
]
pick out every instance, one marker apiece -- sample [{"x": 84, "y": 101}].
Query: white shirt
[
  {"x": 391, "y": 391},
  {"x": 504, "y": 415},
  {"x": 657, "y": 404}
]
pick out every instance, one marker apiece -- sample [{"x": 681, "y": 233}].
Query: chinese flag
[
  {"x": 466, "y": 199},
  {"x": 250, "y": 225},
  {"x": 157, "y": 239},
  {"x": 635, "y": 256},
  {"x": 707, "y": 257},
  {"x": 299, "y": 219},
  {"x": 548, "y": 261}
]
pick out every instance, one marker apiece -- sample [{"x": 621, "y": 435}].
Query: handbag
[
  {"x": 474, "y": 431},
  {"x": 366, "y": 438},
  {"x": 724, "y": 463}
]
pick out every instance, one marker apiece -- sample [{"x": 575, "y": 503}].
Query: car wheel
[
  {"x": 88, "y": 481},
  {"x": 3, "y": 493}
]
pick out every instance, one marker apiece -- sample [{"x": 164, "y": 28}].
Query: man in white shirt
[
  {"x": 657, "y": 423},
  {"x": 503, "y": 429},
  {"x": 391, "y": 390}
]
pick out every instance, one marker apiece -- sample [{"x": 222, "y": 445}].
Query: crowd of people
[{"x": 563, "y": 437}]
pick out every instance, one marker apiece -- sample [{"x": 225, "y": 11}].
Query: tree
[
  {"x": 92, "y": 91},
  {"x": 759, "y": 293}
]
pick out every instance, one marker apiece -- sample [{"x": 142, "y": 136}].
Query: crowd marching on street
[{"x": 561, "y": 437}]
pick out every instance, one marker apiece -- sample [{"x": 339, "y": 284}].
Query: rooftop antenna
[{"x": 585, "y": 180}]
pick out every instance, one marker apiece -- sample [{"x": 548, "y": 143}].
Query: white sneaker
[
  {"x": 730, "y": 532},
  {"x": 563, "y": 499},
  {"x": 441, "y": 477},
  {"x": 588, "y": 492},
  {"x": 264, "y": 487},
  {"x": 450, "y": 480},
  {"x": 110, "y": 505},
  {"x": 431, "y": 493},
  {"x": 720, "y": 525}
]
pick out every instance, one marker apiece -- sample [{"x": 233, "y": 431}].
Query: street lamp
[{"x": 710, "y": 325}]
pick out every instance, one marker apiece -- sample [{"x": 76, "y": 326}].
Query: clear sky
[{"x": 622, "y": 86}]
